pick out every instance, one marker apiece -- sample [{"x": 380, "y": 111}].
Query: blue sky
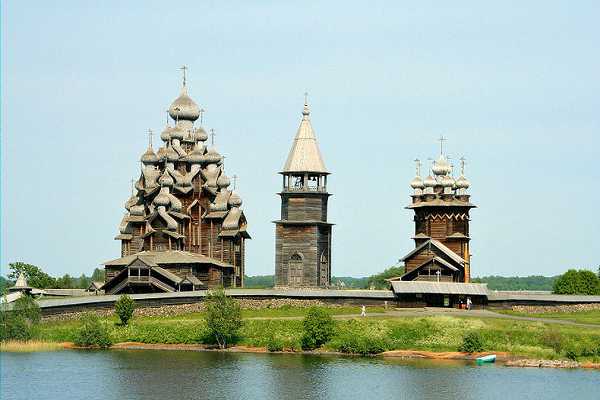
[{"x": 513, "y": 85}]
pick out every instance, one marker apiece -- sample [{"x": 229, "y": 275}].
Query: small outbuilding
[
  {"x": 439, "y": 294},
  {"x": 95, "y": 287}
]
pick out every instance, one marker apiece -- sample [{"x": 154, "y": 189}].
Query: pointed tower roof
[
  {"x": 305, "y": 155},
  {"x": 21, "y": 284}
]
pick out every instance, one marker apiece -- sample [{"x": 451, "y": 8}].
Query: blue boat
[{"x": 486, "y": 359}]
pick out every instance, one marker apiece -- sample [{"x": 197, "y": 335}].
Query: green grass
[
  {"x": 359, "y": 335},
  {"x": 583, "y": 317}
]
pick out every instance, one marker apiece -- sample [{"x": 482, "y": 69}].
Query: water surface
[{"x": 149, "y": 375}]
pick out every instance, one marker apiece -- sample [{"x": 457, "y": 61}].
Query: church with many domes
[
  {"x": 441, "y": 206},
  {"x": 184, "y": 227}
]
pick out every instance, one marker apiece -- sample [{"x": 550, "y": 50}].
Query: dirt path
[{"x": 429, "y": 311}]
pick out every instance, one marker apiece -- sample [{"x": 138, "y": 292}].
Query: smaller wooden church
[{"x": 441, "y": 205}]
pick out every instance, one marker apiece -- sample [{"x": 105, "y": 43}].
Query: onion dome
[
  {"x": 462, "y": 183},
  {"x": 429, "y": 181},
  {"x": 235, "y": 200},
  {"x": 172, "y": 154},
  {"x": 441, "y": 166},
  {"x": 161, "y": 153},
  {"x": 131, "y": 202},
  {"x": 184, "y": 108},
  {"x": 447, "y": 181},
  {"x": 165, "y": 135},
  {"x": 149, "y": 157},
  {"x": 161, "y": 199},
  {"x": 166, "y": 179},
  {"x": 417, "y": 183},
  {"x": 223, "y": 181},
  {"x": 200, "y": 134},
  {"x": 177, "y": 133},
  {"x": 212, "y": 156},
  {"x": 197, "y": 154}
]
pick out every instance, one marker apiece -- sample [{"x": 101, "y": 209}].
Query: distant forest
[
  {"x": 533, "y": 282},
  {"x": 40, "y": 279}
]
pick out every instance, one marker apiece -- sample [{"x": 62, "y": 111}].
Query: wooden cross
[
  {"x": 212, "y": 136},
  {"x": 167, "y": 116},
  {"x": 235, "y": 178},
  {"x": 462, "y": 166},
  {"x": 305, "y": 98},
  {"x": 183, "y": 68},
  {"x": 430, "y": 164},
  {"x": 132, "y": 186},
  {"x": 442, "y": 139},
  {"x": 202, "y": 110},
  {"x": 418, "y": 164},
  {"x": 150, "y": 133}
]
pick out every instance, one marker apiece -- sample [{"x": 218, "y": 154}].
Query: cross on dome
[{"x": 184, "y": 69}]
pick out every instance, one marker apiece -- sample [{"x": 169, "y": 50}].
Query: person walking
[
  {"x": 469, "y": 303},
  {"x": 363, "y": 311}
]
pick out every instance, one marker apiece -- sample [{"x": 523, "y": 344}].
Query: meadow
[{"x": 273, "y": 329}]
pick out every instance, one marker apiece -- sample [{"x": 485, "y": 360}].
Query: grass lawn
[
  {"x": 359, "y": 335},
  {"x": 584, "y": 317}
]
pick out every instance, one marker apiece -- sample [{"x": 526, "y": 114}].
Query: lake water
[{"x": 148, "y": 375}]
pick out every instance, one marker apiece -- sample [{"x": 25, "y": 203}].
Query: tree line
[
  {"x": 39, "y": 279},
  {"x": 571, "y": 282}
]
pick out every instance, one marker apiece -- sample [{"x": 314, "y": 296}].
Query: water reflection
[{"x": 163, "y": 375}]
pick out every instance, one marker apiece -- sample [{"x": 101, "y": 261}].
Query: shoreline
[{"x": 502, "y": 358}]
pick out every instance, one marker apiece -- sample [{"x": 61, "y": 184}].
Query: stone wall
[
  {"x": 178, "y": 309},
  {"x": 563, "y": 308}
]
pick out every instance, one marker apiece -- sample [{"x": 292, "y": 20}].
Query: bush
[
  {"x": 358, "y": 344},
  {"x": 93, "y": 332},
  {"x": 20, "y": 323},
  {"x": 472, "y": 343},
  {"x": 274, "y": 344},
  {"x": 577, "y": 282},
  {"x": 361, "y": 337},
  {"x": 554, "y": 340},
  {"x": 124, "y": 308},
  {"x": 223, "y": 317},
  {"x": 318, "y": 328}
]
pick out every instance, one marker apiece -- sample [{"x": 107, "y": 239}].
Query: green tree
[
  {"x": 64, "y": 282},
  {"x": 124, "y": 308},
  {"x": 93, "y": 332},
  {"x": 577, "y": 282},
  {"x": 378, "y": 281},
  {"x": 20, "y": 323},
  {"x": 223, "y": 317},
  {"x": 98, "y": 275},
  {"x": 318, "y": 328},
  {"x": 35, "y": 276},
  {"x": 83, "y": 282},
  {"x": 4, "y": 285}
]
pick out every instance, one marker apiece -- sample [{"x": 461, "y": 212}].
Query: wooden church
[
  {"x": 441, "y": 205},
  {"x": 184, "y": 228},
  {"x": 303, "y": 234}
]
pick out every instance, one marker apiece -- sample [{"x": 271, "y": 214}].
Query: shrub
[
  {"x": 93, "y": 333},
  {"x": 472, "y": 343},
  {"x": 361, "y": 337},
  {"x": 20, "y": 323},
  {"x": 223, "y": 317},
  {"x": 124, "y": 308},
  {"x": 318, "y": 328},
  {"x": 554, "y": 340},
  {"x": 274, "y": 344}
]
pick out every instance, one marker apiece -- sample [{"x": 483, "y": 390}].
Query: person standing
[
  {"x": 469, "y": 303},
  {"x": 363, "y": 311}
]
